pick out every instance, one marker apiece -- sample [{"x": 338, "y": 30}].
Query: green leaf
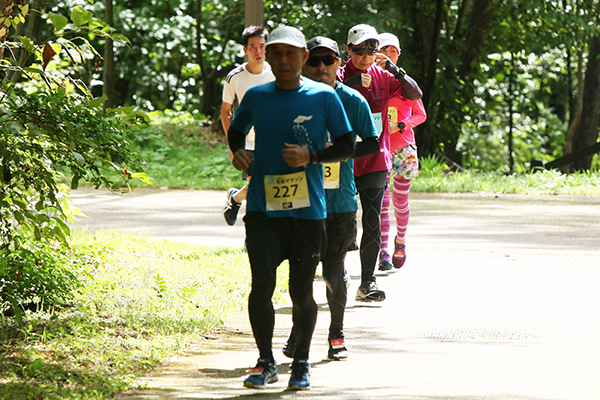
[
  {"x": 90, "y": 46},
  {"x": 34, "y": 70},
  {"x": 79, "y": 158},
  {"x": 36, "y": 365},
  {"x": 117, "y": 37},
  {"x": 97, "y": 102},
  {"x": 143, "y": 177},
  {"x": 79, "y": 16},
  {"x": 24, "y": 9},
  {"x": 75, "y": 182},
  {"x": 58, "y": 21},
  {"x": 27, "y": 43},
  {"x": 132, "y": 116},
  {"x": 95, "y": 23}
]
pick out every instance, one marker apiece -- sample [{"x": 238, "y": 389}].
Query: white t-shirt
[{"x": 238, "y": 81}]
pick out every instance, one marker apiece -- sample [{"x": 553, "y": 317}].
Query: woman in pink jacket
[
  {"x": 378, "y": 84},
  {"x": 403, "y": 115}
]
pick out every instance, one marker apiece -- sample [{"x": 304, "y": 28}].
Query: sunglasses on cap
[
  {"x": 315, "y": 61},
  {"x": 363, "y": 50}
]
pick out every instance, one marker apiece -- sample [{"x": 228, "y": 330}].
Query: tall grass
[
  {"x": 144, "y": 299},
  {"x": 436, "y": 176},
  {"x": 191, "y": 156}
]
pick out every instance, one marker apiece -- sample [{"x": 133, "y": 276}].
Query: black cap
[{"x": 326, "y": 43}]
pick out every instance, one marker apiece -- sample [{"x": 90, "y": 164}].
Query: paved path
[{"x": 499, "y": 299}]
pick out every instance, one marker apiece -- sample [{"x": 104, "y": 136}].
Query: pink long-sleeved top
[
  {"x": 412, "y": 113},
  {"x": 383, "y": 87}
]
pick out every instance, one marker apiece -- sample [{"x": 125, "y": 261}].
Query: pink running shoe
[{"x": 399, "y": 257}]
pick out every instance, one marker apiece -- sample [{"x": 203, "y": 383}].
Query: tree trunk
[
  {"x": 575, "y": 116},
  {"x": 109, "y": 61},
  {"x": 586, "y": 133},
  {"x": 442, "y": 128},
  {"x": 424, "y": 45}
]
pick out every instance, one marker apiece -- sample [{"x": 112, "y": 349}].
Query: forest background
[{"x": 505, "y": 82}]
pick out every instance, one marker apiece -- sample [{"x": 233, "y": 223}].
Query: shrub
[{"x": 52, "y": 128}]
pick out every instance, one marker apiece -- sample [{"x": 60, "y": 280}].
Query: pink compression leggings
[{"x": 400, "y": 194}]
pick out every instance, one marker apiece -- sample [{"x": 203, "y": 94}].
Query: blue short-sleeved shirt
[
  {"x": 343, "y": 199},
  {"x": 300, "y": 116}
]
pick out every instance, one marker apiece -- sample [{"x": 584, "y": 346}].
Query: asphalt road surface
[{"x": 499, "y": 299}]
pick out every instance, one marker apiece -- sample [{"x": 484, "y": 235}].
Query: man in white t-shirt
[{"x": 253, "y": 72}]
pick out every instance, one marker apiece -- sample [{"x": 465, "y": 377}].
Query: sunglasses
[
  {"x": 363, "y": 50},
  {"x": 315, "y": 61}
]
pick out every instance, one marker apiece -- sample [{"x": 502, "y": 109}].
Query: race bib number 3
[
  {"x": 331, "y": 177},
  {"x": 286, "y": 192}
]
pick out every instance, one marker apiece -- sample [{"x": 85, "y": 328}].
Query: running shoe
[
  {"x": 265, "y": 372},
  {"x": 290, "y": 346},
  {"x": 230, "y": 211},
  {"x": 300, "y": 378},
  {"x": 369, "y": 292},
  {"x": 384, "y": 261},
  {"x": 399, "y": 257},
  {"x": 337, "y": 347}
]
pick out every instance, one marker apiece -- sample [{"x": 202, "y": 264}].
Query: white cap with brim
[
  {"x": 287, "y": 35},
  {"x": 388, "y": 39},
  {"x": 360, "y": 33}
]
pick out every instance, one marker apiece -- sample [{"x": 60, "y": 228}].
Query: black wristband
[
  {"x": 401, "y": 125},
  {"x": 312, "y": 157},
  {"x": 394, "y": 69}
]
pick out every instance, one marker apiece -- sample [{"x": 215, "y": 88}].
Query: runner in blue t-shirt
[
  {"x": 322, "y": 65},
  {"x": 285, "y": 211}
]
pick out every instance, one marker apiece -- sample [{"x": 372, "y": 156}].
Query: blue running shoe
[
  {"x": 300, "y": 378},
  {"x": 384, "y": 261},
  {"x": 265, "y": 372}
]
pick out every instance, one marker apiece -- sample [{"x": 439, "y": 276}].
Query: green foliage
[
  {"x": 162, "y": 68},
  {"x": 538, "y": 132},
  {"x": 431, "y": 166},
  {"x": 47, "y": 129},
  {"x": 143, "y": 301},
  {"x": 185, "y": 155}
]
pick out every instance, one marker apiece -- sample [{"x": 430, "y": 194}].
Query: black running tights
[
  {"x": 370, "y": 200},
  {"x": 269, "y": 242}
]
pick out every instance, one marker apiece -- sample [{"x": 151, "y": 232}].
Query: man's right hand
[
  {"x": 241, "y": 160},
  {"x": 357, "y": 80}
]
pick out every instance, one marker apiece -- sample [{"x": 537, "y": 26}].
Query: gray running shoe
[
  {"x": 264, "y": 373},
  {"x": 368, "y": 292}
]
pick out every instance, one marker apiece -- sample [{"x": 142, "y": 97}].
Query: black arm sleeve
[
  {"x": 354, "y": 81},
  {"x": 236, "y": 139},
  {"x": 411, "y": 89},
  {"x": 342, "y": 149},
  {"x": 367, "y": 147}
]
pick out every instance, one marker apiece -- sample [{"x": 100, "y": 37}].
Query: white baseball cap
[
  {"x": 287, "y": 35},
  {"x": 388, "y": 39},
  {"x": 359, "y": 33}
]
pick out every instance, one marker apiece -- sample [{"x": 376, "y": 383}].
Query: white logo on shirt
[{"x": 300, "y": 131}]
